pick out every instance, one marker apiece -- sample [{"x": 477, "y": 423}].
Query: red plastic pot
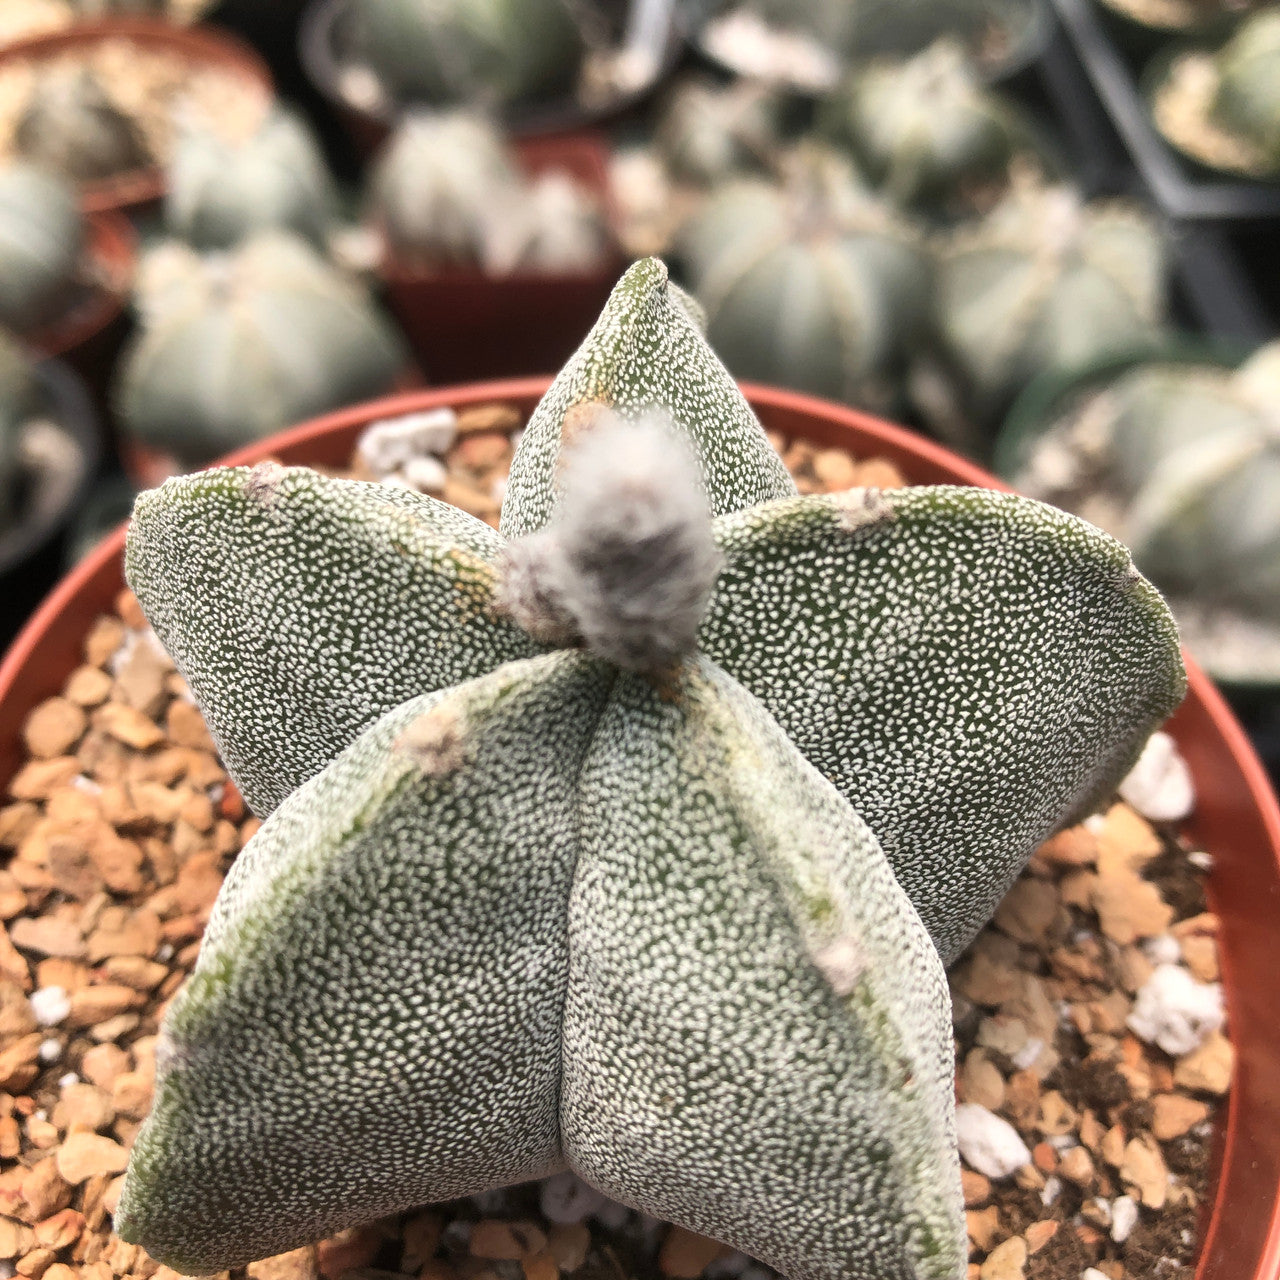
[
  {"x": 1237, "y": 816},
  {"x": 201, "y": 46},
  {"x": 463, "y": 324}
]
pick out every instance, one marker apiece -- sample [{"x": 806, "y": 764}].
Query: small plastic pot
[
  {"x": 140, "y": 188},
  {"x": 463, "y": 324},
  {"x": 1237, "y": 815}
]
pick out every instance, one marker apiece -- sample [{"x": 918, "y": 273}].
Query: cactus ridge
[{"x": 534, "y": 910}]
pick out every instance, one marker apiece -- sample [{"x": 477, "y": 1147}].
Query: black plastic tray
[{"x": 1176, "y": 190}]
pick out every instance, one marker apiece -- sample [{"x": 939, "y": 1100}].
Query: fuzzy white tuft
[{"x": 628, "y": 562}]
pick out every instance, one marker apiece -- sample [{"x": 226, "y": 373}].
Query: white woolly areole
[
  {"x": 1175, "y": 1011},
  {"x": 628, "y": 561},
  {"x": 987, "y": 1143}
]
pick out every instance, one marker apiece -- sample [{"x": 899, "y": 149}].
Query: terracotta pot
[
  {"x": 463, "y": 324},
  {"x": 1237, "y": 816},
  {"x": 200, "y": 45},
  {"x": 89, "y": 335}
]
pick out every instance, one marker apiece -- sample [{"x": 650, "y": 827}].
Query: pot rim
[
  {"x": 1207, "y": 731},
  {"x": 202, "y": 44}
]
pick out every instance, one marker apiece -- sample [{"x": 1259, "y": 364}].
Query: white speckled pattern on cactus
[
  {"x": 374, "y": 1019},
  {"x": 299, "y": 609},
  {"x": 970, "y": 671},
  {"x": 731, "y": 845},
  {"x": 646, "y": 350}
]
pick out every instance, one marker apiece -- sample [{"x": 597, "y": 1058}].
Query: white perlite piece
[
  {"x": 1159, "y": 786},
  {"x": 1175, "y": 1011},
  {"x": 388, "y": 444},
  {"x": 49, "y": 1006},
  {"x": 566, "y": 1200},
  {"x": 987, "y": 1143},
  {"x": 1124, "y": 1217},
  {"x": 1162, "y": 949}
]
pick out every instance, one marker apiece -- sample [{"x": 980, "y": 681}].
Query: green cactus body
[
  {"x": 926, "y": 130},
  {"x": 220, "y": 192},
  {"x": 441, "y": 185},
  {"x": 816, "y": 286},
  {"x": 559, "y": 888},
  {"x": 72, "y": 127},
  {"x": 1045, "y": 282},
  {"x": 235, "y": 346},
  {"x": 1247, "y": 100},
  {"x": 477, "y": 52},
  {"x": 42, "y": 237},
  {"x": 708, "y": 133}
]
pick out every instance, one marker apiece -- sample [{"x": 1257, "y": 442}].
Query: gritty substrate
[{"x": 122, "y": 824}]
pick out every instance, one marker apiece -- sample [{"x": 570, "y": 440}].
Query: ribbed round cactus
[
  {"x": 1182, "y": 461},
  {"x": 441, "y": 188},
  {"x": 709, "y": 133},
  {"x": 1045, "y": 282},
  {"x": 234, "y": 346},
  {"x": 926, "y": 130},
  {"x": 474, "y": 52},
  {"x": 220, "y": 191},
  {"x": 73, "y": 127},
  {"x": 630, "y": 840},
  {"x": 1247, "y": 100},
  {"x": 816, "y": 285},
  {"x": 42, "y": 238}
]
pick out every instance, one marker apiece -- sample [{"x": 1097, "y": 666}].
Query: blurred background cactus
[
  {"x": 42, "y": 240},
  {"x": 1181, "y": 460},
  {"x": 1045, "y": 281},
  {"x": 72, "y": 126},
  {"x": 708, "y": 132},
  {"x": 478, "y": 52},
  {"x": 816, "y": 285},
  {"x": 928, "y": 131},
  {"x": 235, "y": 345},
  {"x": 1223, "y": 108},
  {"x": 19, "y": 397},
  {"x": 447, "y": 191},
  {"x": 221, "y": 190}
]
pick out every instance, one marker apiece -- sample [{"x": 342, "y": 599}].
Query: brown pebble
[
  {"x": 1200, "y": 952},
  {"x": 835, "y": 469},
  {"x": 47, "y": 936},
  {"x": 498, "y": 1241},
  {"x": 124, "y": 932},
  {"x": 1208, "y": 1068},
  {"x": 1006, "y": 1261},
  {"x": 83, "y": 1106},
  {"x": 88, "y": 686},
  {"x": 186, "y": 726},
  {"x": 34, "y": 1264},
  {"x": 131, "y": 1095},
  {"x": 983, "y": 1226},
  {"x": 15, "y": 1238},
  {"x": 104, "y": 1064},
  {"x": 94, "y": 1004},
  {"x": 54, "y": 728},
  {"x": 82, "y": 1155},
  {"x": 129, "y": 610},
  {"x": 1028, "y": 910},
  {"x": 1173, "y": 1114},
  {"x": 59, "y": 1230},
  {"x": 1045, "y": 1157},
  {"x": 569, "y": 1245},
  {"x": 18, "y": 1062},
  {"x": 103, "y": 641},
  {"x": 355, "y": 1247},
  {"x": 540, "y": 1266},
  {"x": 39, "y": 779},
  {"x": 44, "y": 1189},
  {"x": 976, "y": 1187},
  {"x": 488, "y": 417},
  {"x": 685, "y": 1255},
  {"x": 482, "y": 451},
  {"x": 1143, "y": 1167},
  {"x": 1129, "y": 907},
  {"x": 1038, "y": 1234},
  {"x": 1075, "y": 847},
  {"x": 16, "y": 1018},
  {"x": 128, "y": 725},
  {"x": 981, "y": 1081},
  {"x": 10, "y": 1138},
  {"x": 1076, "y": 1165},
  {"x": 297, "y": 1264},
  {"x": 135, "y": 971}
]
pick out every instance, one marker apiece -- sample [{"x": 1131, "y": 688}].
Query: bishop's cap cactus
[{"x": 632, "y": 841}]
